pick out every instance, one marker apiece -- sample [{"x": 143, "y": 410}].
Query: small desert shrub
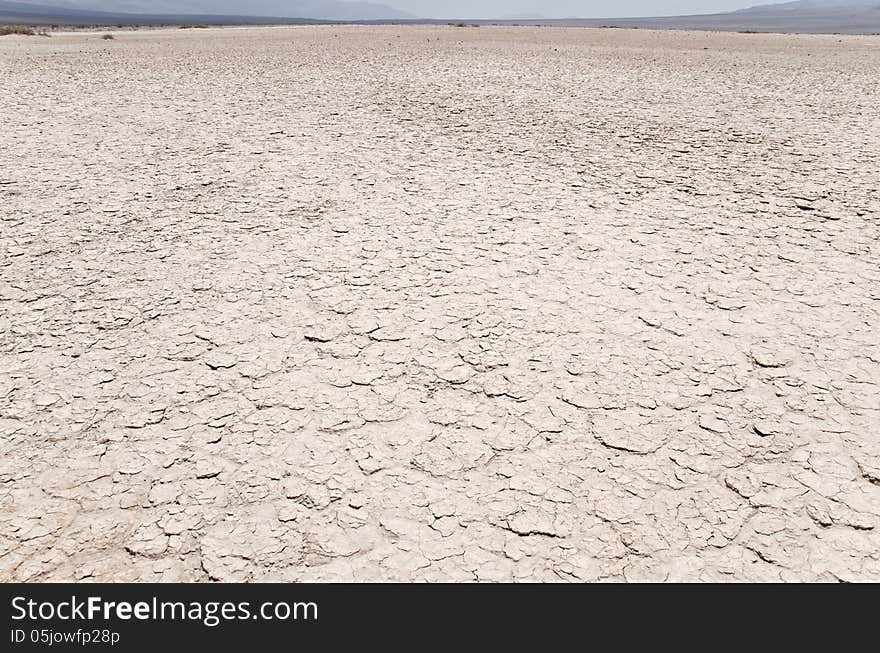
[
  {"x": 194, "y": 26},
  {"x": 108, "y": 37},
  {"x": 7, "y": 30}
]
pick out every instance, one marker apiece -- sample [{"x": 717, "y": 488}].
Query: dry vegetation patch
[{"x": 23, "y": 30}]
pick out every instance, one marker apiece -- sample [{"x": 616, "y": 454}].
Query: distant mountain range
[
  {"x": 806, "y": 16},
  {"x": 812, "y": 6},
  {"x": 85, "y": 10},
  {"x": 819, "y": 16}
]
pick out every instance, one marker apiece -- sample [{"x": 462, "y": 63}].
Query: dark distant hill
[
  {"x": 811, "y": 6},
  {"x": 321, "y": 9},
  {"x": 805, "y": 16},
  {"x": 215, "y": 12}
]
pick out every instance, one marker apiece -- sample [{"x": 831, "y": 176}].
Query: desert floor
[{"x": 438, "y": 303}]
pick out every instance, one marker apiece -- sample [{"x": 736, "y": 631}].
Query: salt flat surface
[{"x": 386, "y": 303}]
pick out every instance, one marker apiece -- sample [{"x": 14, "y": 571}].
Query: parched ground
[{"x": 429, "y": 303}]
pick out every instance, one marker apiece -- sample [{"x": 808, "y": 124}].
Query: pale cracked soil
[{"x": 386, "y": 303}]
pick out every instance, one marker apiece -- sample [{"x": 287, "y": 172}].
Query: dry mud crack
[{"x": 375, "y": 303}]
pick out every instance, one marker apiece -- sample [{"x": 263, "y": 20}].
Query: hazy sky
[
  {"x": 425, "y": 8},
  {"x": 564, "y": 8}
]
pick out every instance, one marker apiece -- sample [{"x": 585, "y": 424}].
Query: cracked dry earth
[{"x": 427, "y": 303}]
